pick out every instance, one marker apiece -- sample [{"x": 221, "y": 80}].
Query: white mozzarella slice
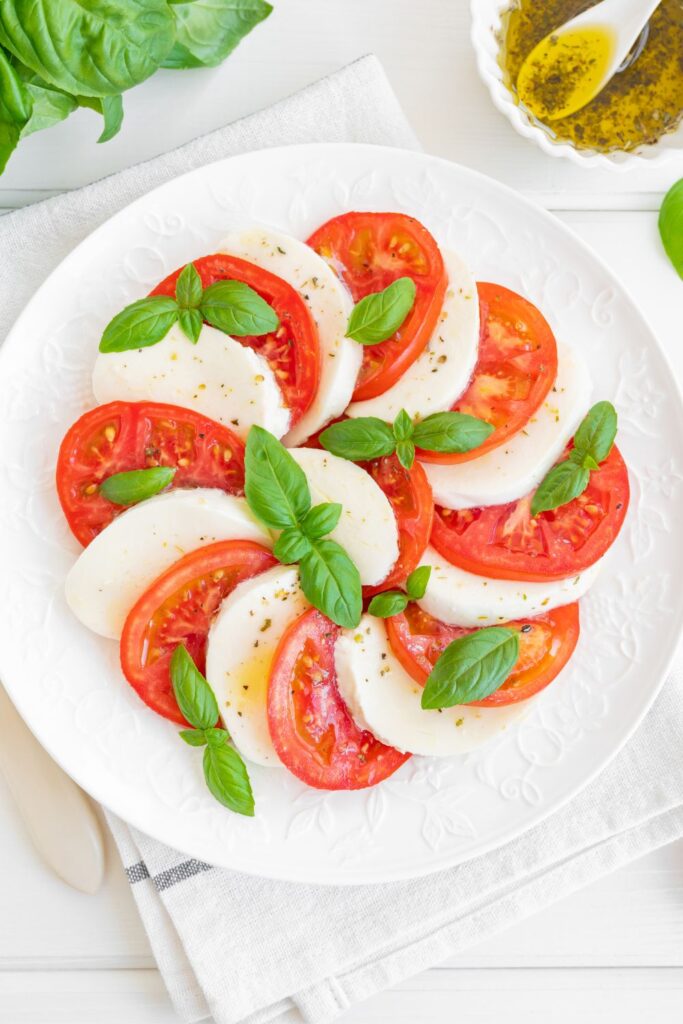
[
  {"x": 242, "y": 642},
  {"x": 367, "y": 529},
  {"x": 129, "y": 554},
  {"x": 463, "y": 599},
  {"x": 217, "y": 377},
  {"x": 442, "y": 371},
  {"x": 518, "y": 466},
  {"x": 383, "y": 698},
  {"x": 330, "y": 304}
]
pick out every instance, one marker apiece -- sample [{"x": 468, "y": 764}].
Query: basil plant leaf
[
  {"x": 451, "y": 432},
  {"x": 188, "y": 288},
  {"x": 143, "y": 323},
  {"x": 671, "y": 225},
  {"x": 227, "y": 777},
  {"x": 472, "y": 667},
  {"x": 48, "y": 105},
  {"x": 403, "y": 426},
  {"x": 134, "y": 485},
  {"x": 416, "y": 584},
  {"x": 379, "y": 315},
  {"x": 321, "y": 519},
  {"x": 195, "y": 697},
  {"x": 291, "y": 545},
  {"x": 216, "y": 737},
  {"x": 595, "y": 435},
  {"x": 191, "y": 323},
  {"x": 16, "y": 105},
  {"x": 89, "y": 49},
  {"x": 194, "y": 737},
  {"x": 112, "y": 112},
  {"x": 208, "y": 30},
  {"x": 405, "y": 453},
  {"x": 331, "y": 582},
  {"x": 560, "y": 485},
  {"x": 391, "y": 602},
  {"x": 359, "y": 439},
  {"x": 235, "y": 308},
  {"x": 275, "y": 486}
]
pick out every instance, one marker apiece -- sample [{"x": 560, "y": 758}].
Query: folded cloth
[{"x": 253, "y": 950}]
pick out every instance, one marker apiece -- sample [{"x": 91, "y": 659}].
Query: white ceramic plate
[{"x": 66, "y": 681}]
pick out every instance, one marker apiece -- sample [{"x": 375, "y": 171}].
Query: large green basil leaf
[
  {"x": 49, "y": 105},
  {"x": 15, "y": 109},
  {"x": 208, "y": 30}
]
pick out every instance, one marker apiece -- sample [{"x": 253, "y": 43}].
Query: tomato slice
[
  {"x": 546, "y": 643},
  {"x": 178, "y": 608},
  {"x": 506, "y": 542},
  {"x": 516, "y": 368},
  {"x": 411, "y": 499},
  {"x": 370, "y": 250},
  {"x": 121, "y": 436},
  {"x": 293, "y": 351},
  {"x": 310, "y": 725}
]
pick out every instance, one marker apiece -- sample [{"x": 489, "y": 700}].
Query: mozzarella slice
[
  {"x": 367, "y": 529},
  {"x": 463, "y": 599},
  {"x": 442, "y": 371},
  {"x": 383, "y": 698},
  {"x": 129, "y": 554},
  {"x": 242, "y": 642},
  {"x": 218, "y": 377},
  {"x": 331, "y": 305},
  {"x": 518, "y": 466}
]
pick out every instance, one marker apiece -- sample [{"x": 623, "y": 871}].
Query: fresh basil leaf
[
  {"x": 472, "y": 667},
  {"x": 195, "y": 697},
  {"x": 331, "y": 582},
  {"x": 143, "y": 323},
  {"x": 596, "y": 433},
  {"x": 321, "y": 520},
  {"x": 112, "y": 112},
  {"x": 49, "y": 105},
  {"x": 671, "y": 225},
  {"x": 359, "y": 439},
  {"x": 93, "y": 49},
  {"x": 216, "y": 737},
  {"x": 403, "y": 426},
  {"x": 560, "y": 485},
  {"x": 378, "y": 316},
  {"x": 191, "y": 323},
  {"x": 588, "y": 462},
  {"x": 188, "y": 288},
  {"x": 451, "y": 432},
  {"x": 416, "y": 584},
  {"x": 208, "y": 30},
  {"x": 194, "y": 737},
  {"x": 275, "y": 486},
  {"x": 405, "y": 453},
  {"x": 136, "y": 485},
  {"x": 235, "y": 308},
  {"x": 16, "y": 105},
  {"x": 228, "y": 779},
  {"x": 291, "y": 545},
  {"x": 391, "y": 602}
]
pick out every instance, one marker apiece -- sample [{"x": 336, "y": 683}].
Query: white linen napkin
[{"x": 252, "y": 950}]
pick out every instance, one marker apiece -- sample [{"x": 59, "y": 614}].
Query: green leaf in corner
[
  {"x": 195, "y": 697},
  {"x": 235, "y": 308},
  {"x": 416, "y": 584},
  {"x": 391, "y": 602},
  {"x": 331, "y": 582},
  {"x": 451, "y": 432},
  {"x": 16, "y": 105},
  {"x": 228, "y": 779},
  {"x": 128, "y": 488},
  {"x": 379, "y": 315},
  {"x": 359, "y": 440},
  {"x": 671, "y": 225},
  {"x": 471, "y": 667},
  {"x": 208, "y": 30},
  {"x": 564, "y": 482},
  {"x": 275, "y": 485}
]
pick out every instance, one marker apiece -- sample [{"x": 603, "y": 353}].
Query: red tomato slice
[
  {"x": 516, "y": 368},
  {"x": 370, "y": 250},
  {"x": 292, "y": 351},
  {"x": 178, "y": 608},
  {"x": 310, "y": 725},
  {"x": 546, "y": 643},
  {"x": 506, "y": 542},
  {"x": 121, "y": 436},
  {"x": 411, "y": 499}
]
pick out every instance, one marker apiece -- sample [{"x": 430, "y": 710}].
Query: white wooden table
[{"x": 611, "y": 952}]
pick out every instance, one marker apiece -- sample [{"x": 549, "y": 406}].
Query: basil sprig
[
  {"x": 132, "y": 486},
  {"x": 592, "y": 444},
  {"x": 379, "y": 315},
  {"x": 472, "y": 667},
  {"x": 393, "y": 602},
  {"x": 278, "y": 494},
  {"x": 230, "y": 306},
  {"x": 224, "y": 770},
  {"x": 368, "y": 437},
  {"x": 671, "y": 225}
]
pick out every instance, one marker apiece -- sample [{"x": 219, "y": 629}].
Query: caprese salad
[{"x": 338, "y": 502}]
